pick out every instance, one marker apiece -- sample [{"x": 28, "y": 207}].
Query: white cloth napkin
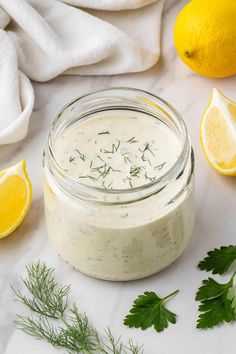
[{"x": 40, "y": 39}]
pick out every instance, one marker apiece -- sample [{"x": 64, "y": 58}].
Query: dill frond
[{"x": 53, "y": 320}]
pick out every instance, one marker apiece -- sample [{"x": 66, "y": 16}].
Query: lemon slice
[
  {"x": 15, "y": 197},
  {"x": 218, "y": 133}
]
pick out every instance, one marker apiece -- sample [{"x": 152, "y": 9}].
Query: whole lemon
[{"x": 205, "y": 37}]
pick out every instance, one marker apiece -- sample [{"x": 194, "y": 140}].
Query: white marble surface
[{"x": 107, "y": 303}]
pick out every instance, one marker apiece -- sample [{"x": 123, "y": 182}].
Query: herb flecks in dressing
[{"x": 118, "y": 151}]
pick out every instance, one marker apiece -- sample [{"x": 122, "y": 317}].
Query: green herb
[
  {"x": 103, "y": 170},
  {"x": 82, "y": 156},
  {"x": 92, "y": 178},
  {"x": 99, "y": 157},
  {"x": 149, "y": 310},
  {"x": 71, "y": 158},
  {"x": 219, "y": 260},
  {"x": 146, "y": 148},
  {"x": 54, "y": 321},
  {"x": 135, "y": 171},
  {"x": 48, "y": 298},
  {"x": 126, "y": 158},
  {"x": 103, "y": 185},
  {"x": 103, "y": 133},
  {"x": 114, "y": 148},
  {"x": 159, "y": 167},
  {"x": 152, "y": 179},
  {"x": 129, "y": 179},
  {"x": 115, "y": 170},
  {"x": 132, "y": 140},
  {"x": 218, "y": 302},
  {"x": 108, "y": 186}
]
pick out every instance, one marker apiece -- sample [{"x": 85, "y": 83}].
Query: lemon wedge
[
  {"x": 218, "y": 133},
  {"x": 15, "y": 197}
]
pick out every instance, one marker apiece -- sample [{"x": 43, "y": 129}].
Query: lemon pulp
[
  {"x": 15, "y": 197},
  {"x": 218, "y": 134}
]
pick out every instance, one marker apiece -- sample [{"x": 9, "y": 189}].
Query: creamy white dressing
[
  {"x": 118, "y": 150},
  {"x": 130, "y": 240}
]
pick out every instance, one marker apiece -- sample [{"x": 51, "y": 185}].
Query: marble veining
[{"x": 215, "y": 216}]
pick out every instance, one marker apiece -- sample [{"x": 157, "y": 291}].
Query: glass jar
[{"x": 119, "y": 234}]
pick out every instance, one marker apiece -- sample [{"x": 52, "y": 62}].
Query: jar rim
[{"x": 158, "y": 105}]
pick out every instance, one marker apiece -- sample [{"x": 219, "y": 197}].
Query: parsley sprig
[
  {"x": 219, "y": 260},
  {"x": 217, "y": 303},
  {"x": 52, "y": 318},
  {"x": 218, "y": 300},
  {"x": 149, "y": 310}
]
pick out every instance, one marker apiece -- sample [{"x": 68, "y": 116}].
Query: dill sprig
[
  {"x": 48, "y": 298},
  {"x": 54, "y": 321}
]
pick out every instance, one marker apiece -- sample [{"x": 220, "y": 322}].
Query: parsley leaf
[
  {"x": 219, "y": 260},
  {"x": 218, "y": 303},
  {"x": 149, "y": 310}
]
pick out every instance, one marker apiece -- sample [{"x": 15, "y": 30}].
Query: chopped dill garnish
[
  {"x": 90, "y": 177},
  {"x": 129, "y": 179},
  {"x": 71, "y": 158},
  {"x": 115, "y": 170},
  {"x": 152, "y": 179},
  {"x": 109, "y": 185},
  {"x": 132, "y": 140},
  {"x": 103, "y": 185},
  {"x": 126, "y": 158},
  {"x": 82, "y": 156},
  {"x": 114, "y": 148},
  {"x": 99, "y": 157},
  {"x": 103, "y": 133},
  {"x": 135, "y": 171},
  {"x": 146, "y": 148},
  {"x": 159, "y": 167},
  {"x": 103, "y": 170}
]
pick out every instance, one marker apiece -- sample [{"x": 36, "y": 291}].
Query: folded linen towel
[{"x": 40, "y": 39}]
